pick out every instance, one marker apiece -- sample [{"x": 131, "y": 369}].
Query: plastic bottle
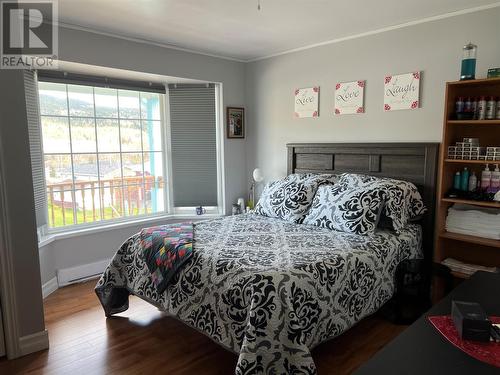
[
  {"x": 456, "y": 181},
  {"x": 481, "y": 108},
  {"x": 485, "y": 178},
  {"x": 468, "y": 104},
  {"x": 498, "y": 108},
  {"x": 474, "y": 108},
  {"x": 491, "y": 108},
  {"x": 464, "y": 179},
  {"x": 472, "y": 182},
  {"x": 459, "y": 104},
  {"x": 495, "y": 180}
]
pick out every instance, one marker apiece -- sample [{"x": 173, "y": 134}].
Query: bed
[{"x": 270, "y": 290}]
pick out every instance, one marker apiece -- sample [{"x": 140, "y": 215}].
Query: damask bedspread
[{"x": 267, "y": 289}]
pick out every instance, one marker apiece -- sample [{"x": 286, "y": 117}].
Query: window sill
[{"x": 51, "y": 237}]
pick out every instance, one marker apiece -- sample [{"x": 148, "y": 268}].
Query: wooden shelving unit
[
  {"x": 480, "y": 82},
  {"x": 471, "y": 239},
  {"x": 469, "y": 249},
  {"x": 460, "y": 275},
  {"x": 460, "y": 161},
  {"x": 475, "y": 203},
  {"x": 474, "y": 122}
]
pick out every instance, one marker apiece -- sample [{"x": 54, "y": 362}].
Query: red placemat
[{"x": 488, "y": 352}]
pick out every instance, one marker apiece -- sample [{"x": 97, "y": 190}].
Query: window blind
[
  {"x": 193, "y": 144},
  {"x": 35, "y": 142}
]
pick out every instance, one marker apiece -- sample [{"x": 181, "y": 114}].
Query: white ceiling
[{"x": 236, "y": 29}]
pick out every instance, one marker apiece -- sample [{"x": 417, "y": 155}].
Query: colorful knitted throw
[{"x": 166, "y": 248}]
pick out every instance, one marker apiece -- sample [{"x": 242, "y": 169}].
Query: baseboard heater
[
  {"x": 82, "y": 279},
  {"x": 67, "y": 276}
]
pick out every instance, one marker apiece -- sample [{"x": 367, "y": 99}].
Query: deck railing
[{"x": 89, "y": 201}]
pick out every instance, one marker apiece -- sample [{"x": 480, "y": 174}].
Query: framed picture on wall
[
  {"x": 402, "y": 91},
  {"x": 349, "y": 97},
  {"x": 235, "y": 122},
  {"x": 307, "y": 102}
]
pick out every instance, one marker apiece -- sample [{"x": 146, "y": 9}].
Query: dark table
[{"x": 421, "y": 349}]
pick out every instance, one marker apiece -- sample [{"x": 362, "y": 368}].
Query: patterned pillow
[
  {"x": 351, "y": 210},
  {"x": 319, "y": 178},
  {"x": 289, "y": 198},
  {"x": 325, "y": 178},
  {"x": 403, "y": 201}
]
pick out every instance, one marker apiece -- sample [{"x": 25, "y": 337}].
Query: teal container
[
  {"x": 464, "y": 180},
  {"x": 468, "y": 70},
  {"x": 456, "y": 181}
]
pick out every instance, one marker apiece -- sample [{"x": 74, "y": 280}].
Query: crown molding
[
  {"x": 379, "y": 31},
  {"x": 147, "y": 41}
]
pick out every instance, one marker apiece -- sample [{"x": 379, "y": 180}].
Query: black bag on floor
[{"x": 412, "y": 295}]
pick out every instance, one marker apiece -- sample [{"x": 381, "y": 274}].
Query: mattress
[{"x": 267, "y": 289}]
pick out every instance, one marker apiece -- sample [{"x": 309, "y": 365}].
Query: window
[
  {"x": 103, "y": 153},
  {"x": 192, "y": 113},
  {"x": 106, "y": 150}
]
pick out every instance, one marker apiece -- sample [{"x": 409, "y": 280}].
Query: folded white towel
[
  {"x": 484, "y": 234},
  {"x": 465, "y": 213},
  {"x": 474, "y": 221},
  {"x": 473, "y": 225},
  {"x": 468, "y": 207},
  {"x": 476, "y": 213},
  {"x": 466, "y": 268}
]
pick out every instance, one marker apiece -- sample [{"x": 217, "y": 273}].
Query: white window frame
[{"x": 170, "y": 211}]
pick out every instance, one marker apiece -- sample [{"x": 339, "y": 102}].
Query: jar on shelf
[{"x": 469, "y": 53}]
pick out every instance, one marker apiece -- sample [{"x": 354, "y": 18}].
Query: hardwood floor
[{"x": 144, "y": 340}]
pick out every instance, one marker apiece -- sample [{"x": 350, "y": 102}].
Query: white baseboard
[
  {"x": 49, "y": 287},
  {"x": 34, "y": 342},
  {"x": 66, "y": 276}
]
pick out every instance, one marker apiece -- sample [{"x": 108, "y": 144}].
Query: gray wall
[
  {"x": 20, "y": 212},
  {"x": 94, "y": 49},
  {"x": 47, "y": 263},
  {"x": 433, "y": 47}
]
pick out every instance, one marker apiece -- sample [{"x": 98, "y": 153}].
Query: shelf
[
  {"x": 471, "y": 202},
  {"x": 474, "y": 122},
  {"x": 476, "y": 82},
  {"x": 472, "y": 161},
  {"x": 459, "y": 275},
  {"x": 466, "y": 248},
  {"x": 471, "y": 239}
]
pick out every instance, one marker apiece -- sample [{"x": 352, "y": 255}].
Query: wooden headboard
[{"x": 414, "y": 162}]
